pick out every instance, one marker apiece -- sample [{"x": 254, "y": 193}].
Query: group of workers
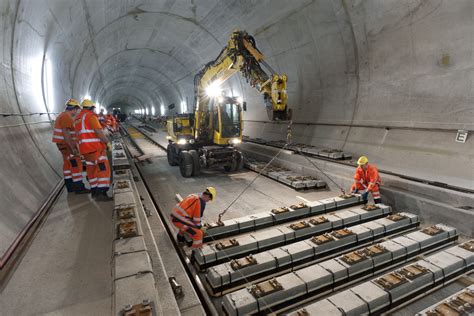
[
  {"x": 186, "y": 216},
  {"x": 80, "y": 137}
]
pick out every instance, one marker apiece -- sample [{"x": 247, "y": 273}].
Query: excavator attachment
[{"x": 275, "y": 102}]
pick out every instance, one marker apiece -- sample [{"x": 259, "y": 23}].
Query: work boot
[
  {"x": 102, "y": 196},
  {"x": 180, "y": 238},
  {"x": 69, "y": 185},
  {"x": 79, "y": 188}
]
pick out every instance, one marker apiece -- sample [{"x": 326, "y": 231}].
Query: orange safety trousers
[
  {"x": 98, "y": 170},
  {"x": 195, "y": 233},
  {"x": 72, "y": 165}
]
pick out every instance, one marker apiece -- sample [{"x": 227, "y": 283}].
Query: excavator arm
[{"x": 241, "y": 55}]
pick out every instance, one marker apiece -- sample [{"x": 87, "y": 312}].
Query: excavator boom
[{"x": 241, "y": 55}]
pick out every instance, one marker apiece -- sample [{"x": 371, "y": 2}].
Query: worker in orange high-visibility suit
[
  {"x": 64, "y": 136},
  {"x": 93, "y": 147},
  {"x": 367, "y": 180},
  {"x": 101, "y": 117},
  {"x": 110, "y": 123},
  {"x": 187, "y": 215}
]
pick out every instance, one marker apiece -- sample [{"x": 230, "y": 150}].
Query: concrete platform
[{"x": 67, "y": 268}]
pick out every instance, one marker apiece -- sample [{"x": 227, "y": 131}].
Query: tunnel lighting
[
  {"x": 182, "y": 141},
  {"x": 214, "y": 89},
  {"x": 162, "y": 110},
  {"x": 184, "y": 107},
  {"x": 49, "y": 84},
  {"x": 146, "y": 111},
  {"x": 87, "y": 96},
  {"x": 136, "y": 111},
  {"x": 240, "y": 100},
  {"x": 220, "y": 99},
  {"x": 153, "y": 110}
]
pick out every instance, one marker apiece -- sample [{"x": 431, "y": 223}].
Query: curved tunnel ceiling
[{"x": 392, "y": 80}]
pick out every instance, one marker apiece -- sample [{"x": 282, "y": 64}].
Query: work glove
[
  {"x": 109, "y": 146},
  {"x": 365, "y": 195},
  {"x": 354, "y": 191},
  {"x": 204, "y": 230}
]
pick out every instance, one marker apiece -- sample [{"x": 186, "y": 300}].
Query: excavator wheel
[
  {"x": 171, "y": 155},
  {"x": 196, "y": 163},
  {"x": 186, "y": 164},
  {"x": 240, "y": 161}
]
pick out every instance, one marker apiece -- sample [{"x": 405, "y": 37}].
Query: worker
[
  {"x": 367, "y": 180},
  {"x": 187, "y": 214},
  {"x": 110, "y": 123},
  {"x": 93, "y": 146},
  {"x": 102, "y": 118},
  {"x": 64, "y": 136}
]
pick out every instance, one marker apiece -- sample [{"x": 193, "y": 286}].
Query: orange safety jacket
[
  {"x": 59, "y": 124},
  {"x": 188, "y": 211},
  {"x": 367, "y": 180},
  {"x": 88, "y": 139}
]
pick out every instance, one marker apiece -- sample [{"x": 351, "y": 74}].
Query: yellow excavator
[{"x": 207, "y": 137}]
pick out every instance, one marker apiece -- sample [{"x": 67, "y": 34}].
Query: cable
[
  {"x": 23, "y": 124},
  {"x": 340, "y": 187},
  {"x": 288, "y": 141},
  {"x": 27, "y": 114}
]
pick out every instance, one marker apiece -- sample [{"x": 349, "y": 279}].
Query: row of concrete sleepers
[
  {"x": 134, "y": 283},
  {"x": 324, "y": 277}
]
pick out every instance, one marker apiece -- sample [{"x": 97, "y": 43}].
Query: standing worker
[
  {"x": 187, "y": 214},
  {"x": 64, "y": 136},
  {"x": 367, "y": 180},
  {"x": 93, "y": 146}
]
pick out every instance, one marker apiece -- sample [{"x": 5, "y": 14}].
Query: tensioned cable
[{"x": 23, "y": 124}]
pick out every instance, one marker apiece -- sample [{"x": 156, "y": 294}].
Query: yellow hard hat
[
  {"x": 86, "y": 103},
  {"x": 362, "y": 160},
  {"x": 212, "y": 191},
  {"x": 72, "y": 103}
]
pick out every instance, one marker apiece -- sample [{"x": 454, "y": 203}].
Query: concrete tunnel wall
[{"x": 383, "y": 63}]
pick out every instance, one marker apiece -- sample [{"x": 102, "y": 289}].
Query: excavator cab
[{"x": 227, "y": 121}]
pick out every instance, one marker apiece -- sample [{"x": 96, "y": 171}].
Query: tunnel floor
[{"x": 66, "y": 269}]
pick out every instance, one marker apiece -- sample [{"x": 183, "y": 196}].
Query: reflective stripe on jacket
[
  {"x": 59, "y": 124},
  {"x": 188, "y": 211},
  {"x": 367, "y": 180},
  {"x": 88, "y": 139}
]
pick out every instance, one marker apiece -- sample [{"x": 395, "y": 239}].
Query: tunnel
[{"x": 390, "y": 80}]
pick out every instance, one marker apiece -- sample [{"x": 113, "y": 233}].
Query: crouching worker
[
  {"x": 367, "y": 180},
  {"x": 187, "y": 215}
]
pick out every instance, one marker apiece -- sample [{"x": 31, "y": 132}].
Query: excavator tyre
[
  {"x": 171, "y": 155},
  {"x": 196, "y": 163},
  {"x": 186, "y": 164}
]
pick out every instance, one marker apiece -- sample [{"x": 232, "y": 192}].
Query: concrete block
[
  {"x": 337, "y": 269},
  {"x": 124, "y": 199},
  {"x": 239, "y": 303},
  {"x": 350, "y": 303},
  {"x": 133, "y": 290},
  {"x": 411, "y": 246},
  {"x": 460, "y": 252},
  {"x": 448, "y": 262},
  {"x": 128, "y": 245},
  {"x": 375, "y": 297},
  {"x": 315, "y": 276},
  {"x": 316, "y": 308},
  {"x": 131, "y": 263}
]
